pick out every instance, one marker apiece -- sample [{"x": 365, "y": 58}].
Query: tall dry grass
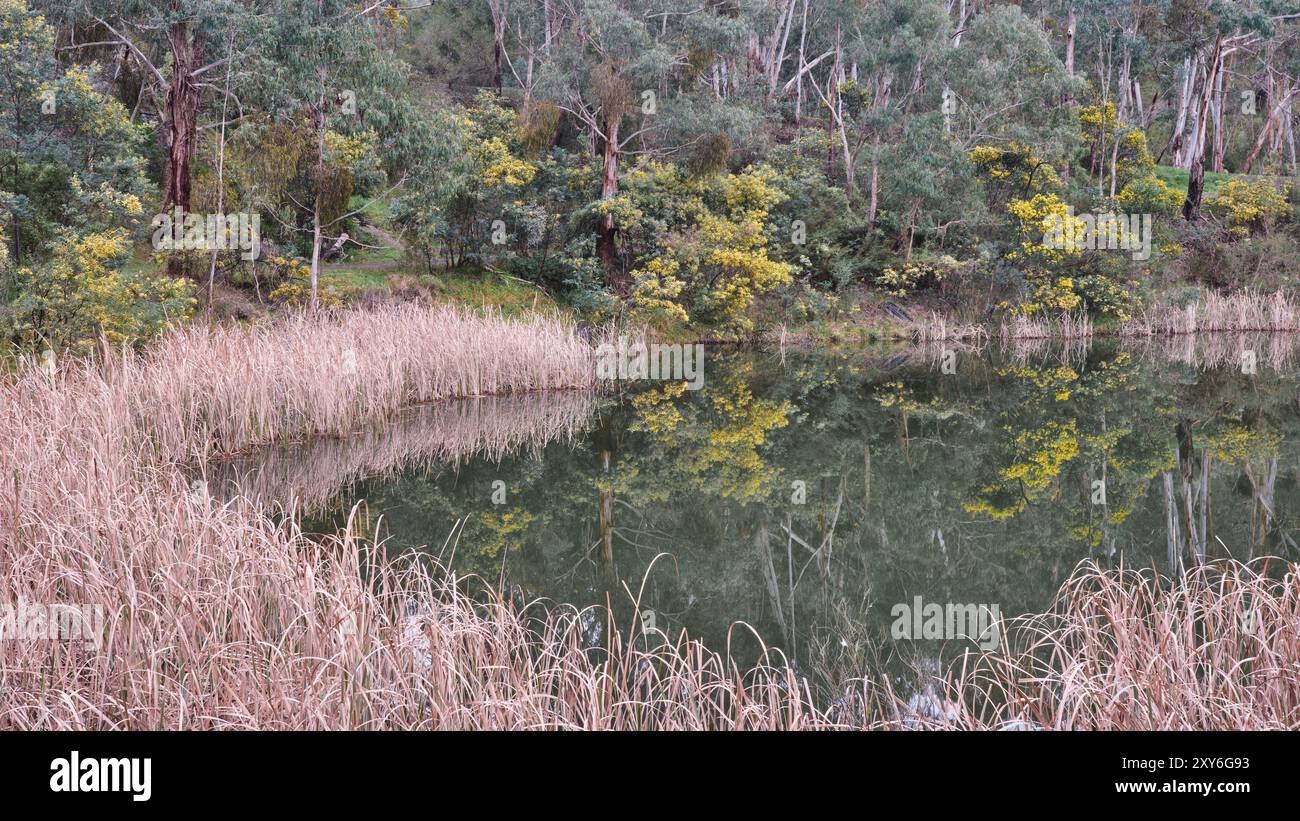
[
  {"x": 219, "y": 617},
  {"x": 935, "y": 327},
  {"x": 1213, "y": 312},
  {"x": 1046, "y": 326},
  {"x": 223, "y": 389},
  {"x": 1125, "y": 650}
]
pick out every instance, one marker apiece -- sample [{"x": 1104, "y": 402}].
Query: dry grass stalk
[
  {"x": 1125, "y": 650},
  {"x": 1046, "y": 326},
  {"x": 935, "y": 327}
]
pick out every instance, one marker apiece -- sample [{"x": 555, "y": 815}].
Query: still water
[{"x": 808, "y": 494}]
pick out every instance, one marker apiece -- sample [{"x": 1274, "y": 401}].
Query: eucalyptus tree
[
  {"x": 893, "y": 52},
  {"x": 1207, "y": 33},
  {"x": 328, "y": 74},
  {"x": 181, "y": 48},
  {"x": 645, "y": 79},
  {"x": 1006, "y": 82}
]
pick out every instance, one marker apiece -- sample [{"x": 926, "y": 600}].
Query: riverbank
[{"x": 1202, "y": 312}]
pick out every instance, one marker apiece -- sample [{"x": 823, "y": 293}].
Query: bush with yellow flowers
[
  {"x": 916, "y": 276},
  {"x": 1249, "y": 205},
  {"x": 1100, "y": 129},
  {"x": 294, "y": 288},
  {"x": 1103, "y": 295},
  {"x": 79, "y": 293},
  {"x": 702, "y": 242},
  {"x": 1150, "y": 195},
  {"x": 1014, "y": 166}
]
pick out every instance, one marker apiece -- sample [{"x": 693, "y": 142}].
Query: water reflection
[{"x": 807, "y": 494}]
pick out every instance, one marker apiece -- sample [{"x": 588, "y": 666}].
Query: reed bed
[
  {"x": 1125, "y": 650},
  {"x": 935, "y": 327},
  {"x": 224, "y": 389},
  {"x": 216, "y": 616},
  {"x": 1046, "y": 326},
  {"x": 1213, "y": 312}
]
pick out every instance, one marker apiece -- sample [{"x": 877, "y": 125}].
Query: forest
[{"x": 711, "y": 171}]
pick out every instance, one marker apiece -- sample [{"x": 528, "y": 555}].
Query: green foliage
[
  {"x": 634, "y": 162},
  {"x": 1150, "y": 195},
  {"x": 72, "y": 186},
  {"x": 80, "y": 293}
]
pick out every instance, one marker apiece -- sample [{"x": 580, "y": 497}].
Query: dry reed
[
  {"x": 1046, "y": 326},
  {"x": 1126, "y": 650},
  {"x": 935, "y": 327},
  {"x": 1213, "y": 312}
]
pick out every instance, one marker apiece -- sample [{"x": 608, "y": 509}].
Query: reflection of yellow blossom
[
  {"x": 1240, "y": 445},
  {"x": 1041, "y": 453},
  {"x": 503, "y": 530}
]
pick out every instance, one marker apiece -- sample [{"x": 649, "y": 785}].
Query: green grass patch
[
  {"x": 355, "y": 281},
  {"x": 375, "y": 212},
  {"x": 485, "y": 289},
  {"x": 1176, "y": 178}
]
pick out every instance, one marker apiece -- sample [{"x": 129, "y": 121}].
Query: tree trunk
[
  {"x": 1195, "y": 188},
  {"x": 798, "y": 98},
  {"x": 832, "y": 95},
  {"x": 1070, "y": 26},
  {"x": 496, "y": 65},
  {"x": 182, "y": 111},
  {"x": 499, "y": 12},
  {"x": 1180, "y": 122},
  {"x": 1196, "y": 171},
  {"x": 782, "y": 38},
  {"x": 1265, "y": 130},
  {"x": 605, "y": 237},
  {"x": 875, "y": 184},
  {"x": 321, "y": 126},
  {"x": 1219, "y": 135},
  {"x": 221, "y": 178}
]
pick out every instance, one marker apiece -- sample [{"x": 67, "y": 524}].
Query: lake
[{"x": 810, "y": 495}]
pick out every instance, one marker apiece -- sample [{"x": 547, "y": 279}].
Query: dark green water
[{"x": 806, "y": 495}]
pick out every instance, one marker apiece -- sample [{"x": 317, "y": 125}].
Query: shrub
[
  {"x": 1248, "y": 206},
  {"x": 79, "y": 293}
]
